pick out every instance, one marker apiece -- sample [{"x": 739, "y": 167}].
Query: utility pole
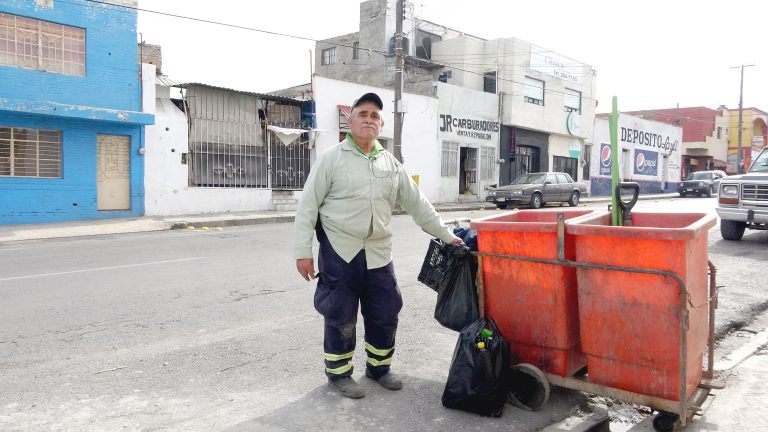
[
  {"x": 399, "y": 80},
  {"x": 740, "y": 154}
]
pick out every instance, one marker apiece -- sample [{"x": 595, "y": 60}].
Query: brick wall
[{"x": 151, "y": 54}]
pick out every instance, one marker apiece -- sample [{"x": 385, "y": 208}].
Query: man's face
[{"x": 365, "y": 122}]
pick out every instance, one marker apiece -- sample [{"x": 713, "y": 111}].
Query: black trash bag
[
  {"x": 457, "y": 304},
  {"x": 478, "y": 379}
]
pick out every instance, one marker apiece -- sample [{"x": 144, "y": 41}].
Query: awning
[
  {"x": 345, "y": 109},
  {"x": 286, "y": 135}
]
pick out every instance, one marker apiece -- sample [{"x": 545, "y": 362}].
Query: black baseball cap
[{"x": 369, "y": 97}]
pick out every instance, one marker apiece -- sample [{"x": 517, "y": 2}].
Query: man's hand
[
  {"x": 457, "y": 241},
  {"x": 306, "y": 268}
]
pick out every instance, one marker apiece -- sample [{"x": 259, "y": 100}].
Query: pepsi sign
[
  {"x": 646, "y": 162},
  {"x": 605, "y": 159}
]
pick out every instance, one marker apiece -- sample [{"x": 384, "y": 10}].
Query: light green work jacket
[{"x": 353, "y": 195}]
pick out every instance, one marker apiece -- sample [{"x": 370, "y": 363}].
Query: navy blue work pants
[{"x": 341, "y": 288}]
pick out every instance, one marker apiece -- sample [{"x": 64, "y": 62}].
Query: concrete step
[
  {"x": 286, "y": 207},
  {"x": 276, "y": 201}
]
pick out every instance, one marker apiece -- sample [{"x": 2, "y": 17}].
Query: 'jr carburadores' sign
[{"x": 465, "y": 127}]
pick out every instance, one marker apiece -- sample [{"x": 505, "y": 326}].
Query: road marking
[{"x": 98, "y": 269}]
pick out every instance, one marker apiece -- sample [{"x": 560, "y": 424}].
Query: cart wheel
[
  {"x": 528, "y": 387},
  {"x": 665, "y": 422}
]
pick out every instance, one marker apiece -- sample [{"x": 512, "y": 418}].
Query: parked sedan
[
  {"x": 537, "y": 189},
  {"x": 701, "y": 183}
]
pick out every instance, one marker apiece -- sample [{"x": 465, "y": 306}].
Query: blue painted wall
[
  {"x": 111, "y": 59},
  {"x": 106, "y": 101},
  {"x": 72, "y": 197},
  {"x": 601, "y": 186}
]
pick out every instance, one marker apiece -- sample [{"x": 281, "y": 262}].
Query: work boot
[
  {"x": 347, "y": 387},
  {"x": 388, "y": 380}
]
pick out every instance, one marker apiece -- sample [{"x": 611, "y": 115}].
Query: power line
[
  {"x": 237, "y": 26},
  {"x": 334, "y": 44}
]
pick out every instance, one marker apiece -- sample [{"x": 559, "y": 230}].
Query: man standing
[{"x": 348, "y": 200}]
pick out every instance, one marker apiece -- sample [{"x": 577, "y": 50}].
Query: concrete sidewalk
[
  {"x": 211, "y": 220},
  {"x": 739, "y": 364}
]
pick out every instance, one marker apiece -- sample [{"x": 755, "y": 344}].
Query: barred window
[
  {"x": 41, "y": 45},
  {"x": 487, "y": 162},
  {"x": 566, "y": 165},
  {"x": 30, "y": 152},
  {"x": 329, "y": 56},
  {"x": 449, "y": 165}
]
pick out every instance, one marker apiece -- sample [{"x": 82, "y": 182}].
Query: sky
[{"x": 650, "y": 55}]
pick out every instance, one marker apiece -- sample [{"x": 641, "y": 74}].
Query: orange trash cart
[
  {"x": 631, "y": 322},
  {"x": 614, "y": 285},
  {"x": 534, "y": 305}
]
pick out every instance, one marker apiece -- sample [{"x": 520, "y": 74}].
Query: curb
[
  {"x": 231, "y": 222},
  {"x": 197, "y": 221}
]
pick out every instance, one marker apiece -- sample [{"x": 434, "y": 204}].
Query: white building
[
  {"x": 544, "y": 101},
  {"x": 547, "y": 104},
  {"x": 468, "y": 142},
  {"x": 230, "y": 151},
  {"x": 650, "y": 154},
  {"x": 333, "y": 100}
]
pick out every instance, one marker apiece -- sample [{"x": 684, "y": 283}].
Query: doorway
[
  {"x": 526, "y": 160},
  {"x": 468, "y": 171},
  {"x": 113, "y": 172}
]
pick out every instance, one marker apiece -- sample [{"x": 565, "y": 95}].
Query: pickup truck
[{"x": 743, "y": 200}]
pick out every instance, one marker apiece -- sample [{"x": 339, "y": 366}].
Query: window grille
[
  {"x": 30, "y": 152},
  {"x": 41, "y": 45},
  {"x": 231, "y": 146},
  {"x": 449, "y": 164},
  {"x": 355, "y": 50},
  {"x": 289, "y": 163},
  {"x": 566, "y": 165},
  {"x": 487, "y": 163},
  {"x": 533, "y": 91},
  {"x": 329, "y": 56}
]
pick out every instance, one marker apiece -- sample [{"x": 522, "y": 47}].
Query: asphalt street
[{"x": 214, "y": 330}]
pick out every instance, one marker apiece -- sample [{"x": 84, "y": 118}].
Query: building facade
[
  {"x": 469, "y": 132},
  {"x": 215, "y": 149},
  {"x": 754, "y": 136},
  {"x": 334, "y": 98},
  {"x": 72, "y": 112},
  {"x": 705, "y": 135},
  {"x": 649, "y": 154},
  {"x": 545, "y": 100},
  {"x": 546, "y": 106}
]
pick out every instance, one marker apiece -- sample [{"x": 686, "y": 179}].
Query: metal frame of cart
[{"x": 685, "y": 409}]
